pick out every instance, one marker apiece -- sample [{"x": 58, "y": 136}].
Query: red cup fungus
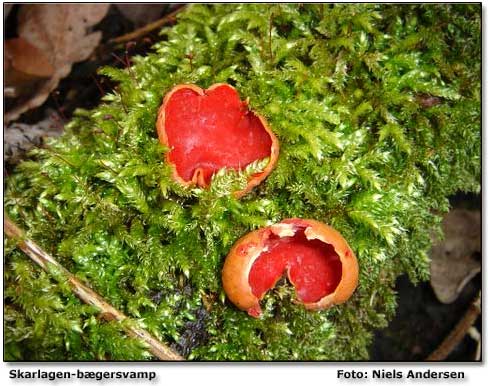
[
  {"x": 208, "y": 130},
  {"x": 316, "y": 258}
]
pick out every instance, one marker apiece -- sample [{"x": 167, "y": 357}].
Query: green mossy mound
[{"x": 377, "y": 109}]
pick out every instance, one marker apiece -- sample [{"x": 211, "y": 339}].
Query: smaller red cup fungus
[
  {"x": 208, "y": 130},
  {"x": 317, "y": 259}
]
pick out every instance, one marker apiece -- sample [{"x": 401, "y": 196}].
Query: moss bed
[{"x": 377, "y": 110}]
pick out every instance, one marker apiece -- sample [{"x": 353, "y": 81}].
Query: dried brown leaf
[
  {"x": 6, "y": 10},
  {"x": 62, "y": 33},
  {"x": 19, "y": 138},
  {"x": 141, "y": 14},
  {"x": 453, "y": 265},
  {"x": 27, "y": 58}
]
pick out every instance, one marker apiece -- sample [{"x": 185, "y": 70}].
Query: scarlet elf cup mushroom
[
  {"x": 208, "y": 130},
  {"x": 317, "y": 259}
]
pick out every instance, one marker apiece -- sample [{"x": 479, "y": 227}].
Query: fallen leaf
[
  {"x": 27, "y": 58},
  {"x": 19, "y": 138},
  {"x": 141, "y": 14},
  {"x": 6, "y": 10},
  {"x": 452, "y": 265},
  {"x": 62, "y": 33}
]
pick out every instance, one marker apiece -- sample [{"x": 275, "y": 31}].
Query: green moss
[{"x": 377, "y": 109}]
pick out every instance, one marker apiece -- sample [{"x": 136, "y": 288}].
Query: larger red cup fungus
[
  {"x": 317, "y": 259},
  {"x": 208, "y": 130}
]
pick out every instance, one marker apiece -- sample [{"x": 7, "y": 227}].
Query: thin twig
[
  {"x": 147, "y": 28},
  {"x": 458, "y": 333},
  {"x": 108, "y": 312},
  {"x": 476, "y": 336}
]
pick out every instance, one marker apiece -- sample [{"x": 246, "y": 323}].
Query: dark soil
[{"x": 422, "y": 322}]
